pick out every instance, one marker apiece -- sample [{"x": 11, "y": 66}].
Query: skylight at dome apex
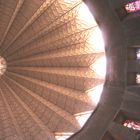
[{"x": 55, "y": 68}]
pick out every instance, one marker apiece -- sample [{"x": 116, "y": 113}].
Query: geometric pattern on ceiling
[{"x": 49, "y": 47}]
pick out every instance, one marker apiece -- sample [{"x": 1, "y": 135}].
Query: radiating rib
[
  {"x": 45, "y": 6},
  {"x": 19, "y": 4},
  {"x": 57, "y": 110},
  {"x": 49, "y": 51},
  {"x": 7, "y": 8},
  {"x": 6, "y": 123},
  {"x": 26, "y": 11},
  {"x": 82, "y": 60},
  {"x": 21, "y": 137},
  {"x": 76, "y": 72},
  {"x": 66, "y": 99},
  {"x": 61, "y": 90},
  {"x": 81, "y": 83},
  {"x": 52, "y": 41},
  {"x": 45, "y": 52},
  {"x": 49, "y": 135},
  {"x": 47, "y": 27}
]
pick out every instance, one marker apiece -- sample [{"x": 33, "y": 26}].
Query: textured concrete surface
[{"x": 48, "y": 70}]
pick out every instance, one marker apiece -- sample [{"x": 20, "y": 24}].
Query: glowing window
[
  {"x": 138, "y": 78},
  {"x": 133, "y": 6},
  {"x": 83, "y": 117},
  {"x": 138, "y": 54},
  {"x": 2, "y": 65},
  {"x": 132, "y": 124},
  {"x": 62, "y": 136},
  {"x": 95, "y": 93},
  {"x": 100, "y": 67}
]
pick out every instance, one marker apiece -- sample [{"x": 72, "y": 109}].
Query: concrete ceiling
[{"x": 48, "y": 74}]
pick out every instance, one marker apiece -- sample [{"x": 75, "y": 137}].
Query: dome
[{"x": 53, "y": 79}]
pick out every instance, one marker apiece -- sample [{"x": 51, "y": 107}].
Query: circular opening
[{"x": 2, "y": 65}]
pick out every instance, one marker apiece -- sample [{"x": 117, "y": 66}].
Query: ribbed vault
[{"x": 51, "y": 52}]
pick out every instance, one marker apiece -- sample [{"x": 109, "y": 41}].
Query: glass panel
[
  {"x": 138, "y": 54},
  {"x": 133, "y": 6},
  {"x": 132, "y": 124},
  {"x": 138, "y": 78}
]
